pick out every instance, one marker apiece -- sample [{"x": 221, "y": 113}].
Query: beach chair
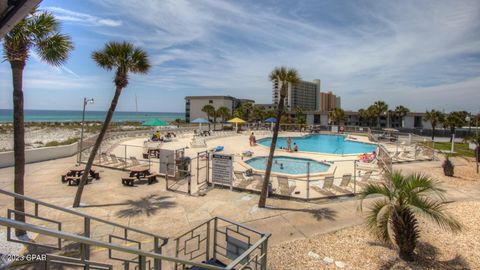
[
  {"x": 344, "y": 186},
  {"x": 365, "y": 179},
  {"x": 326, "y": 188},
  {"x": 134, "y": 161},
  {"x": 118, "y": 162},
  {"x": 284, "y": 186},
  {"x": 242, "y": 181}
]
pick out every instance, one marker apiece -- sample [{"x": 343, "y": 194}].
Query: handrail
[
  {"x": 77, "y": 213},
  {"x": 248, "y": 251},
  {"x": 88, "y": 241}
]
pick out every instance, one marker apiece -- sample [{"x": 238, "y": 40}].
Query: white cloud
[{"x": 82, "y": 18}]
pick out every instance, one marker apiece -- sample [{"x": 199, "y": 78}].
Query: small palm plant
[
  {"x": 123, "y": 58},
  {"x": 393, "y": 218},
  {"x": 448, "y": 167}
]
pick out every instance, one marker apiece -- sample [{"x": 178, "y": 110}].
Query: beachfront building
[
  {"x": 412, "y": 120},
  {"x": 266, "y": 106},
  {"x": 304, "y": 95},
  {"x": 195, "y": 104},
  {"x": 329, "y": 101}
]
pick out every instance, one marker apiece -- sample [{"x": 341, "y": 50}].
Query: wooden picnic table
[
  {"x": 139, "y": 171},
  {"x": 78, "y": 170},
  {"x": 75, "y": 173}
]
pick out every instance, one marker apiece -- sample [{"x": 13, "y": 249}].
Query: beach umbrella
[
  {"x": 155, "y": 123},
  {"x": 237, "y": 121},
  {"x": 200, "y": 121},
  {"x": 271, "y": 120}
]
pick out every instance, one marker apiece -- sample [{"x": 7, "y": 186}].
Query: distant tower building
[
  {"x": 329, "y": 101},
  {"x": 304, "y": 95}
]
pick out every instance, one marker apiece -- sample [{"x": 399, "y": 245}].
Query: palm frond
[
  {"x": 54, "y": 49},
  {"x": 378, "y": 219},
  {"x": 421, "y": 184},
  {"x": 375, "y": 189},
  {"x": 435, "y": 211}
]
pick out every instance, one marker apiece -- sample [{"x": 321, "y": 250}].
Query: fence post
[
  {"x": 354, "y": 177},
  {"x": 215, "y": 224},
  {"x": 156, "y": 262},
  {"x": 125, "y": 156},
  {"x": 308, "y": 180}
]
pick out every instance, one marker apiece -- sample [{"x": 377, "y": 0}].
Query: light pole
[{"x": 80, "y": 148}]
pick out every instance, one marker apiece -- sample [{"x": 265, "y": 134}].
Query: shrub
[{"x": 448, "y": 168}]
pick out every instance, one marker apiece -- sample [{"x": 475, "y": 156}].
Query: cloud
[{"x": 82, "y": 18}]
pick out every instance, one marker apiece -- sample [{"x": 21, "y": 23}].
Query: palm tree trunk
[
  {"x": 405, "y": 228},
  {"x": 433, "y": 132},
  {"x": 98, "y": 142},
  {"x": 268, "y": 170},
  {"x": 18, "y": 139}
]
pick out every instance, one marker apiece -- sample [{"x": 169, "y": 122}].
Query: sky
[{"x": 420, "y": 54}]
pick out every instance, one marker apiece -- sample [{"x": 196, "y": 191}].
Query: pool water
[
  {"x": 288, "y": 165},
  {"x": 323, "y": 143}
]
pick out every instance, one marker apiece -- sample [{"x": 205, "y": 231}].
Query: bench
[
  {"x": 151, "y": 178},
  {"x": 73, "y": 180},
  {"x": 128, "y": 181}
]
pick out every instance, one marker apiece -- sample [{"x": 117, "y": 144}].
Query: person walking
[{"x": 289, "y": 144}]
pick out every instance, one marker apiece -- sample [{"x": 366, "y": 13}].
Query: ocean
[{"x": 76, "y": 116}]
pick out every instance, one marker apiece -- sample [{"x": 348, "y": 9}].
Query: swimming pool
[
  {"x": 288, "y": 165},
  {"x": 324, "y": 143}
]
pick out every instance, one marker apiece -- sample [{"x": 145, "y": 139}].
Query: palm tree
[
  {"x": 284, "y": 76},
  {"x": 210, "y": 111},
  {"x": 435, "y": 117},
  {"x": 401, "y": 112},
  {"x": 258, "y": 113},
  {"x": 124, "y": 58},
  {"x": 454, "y": 120},
  {"x": 336, "y": 116},
  {"x": 393, "y": 218},
  {"x": 379, "y": 108},
  {"x": 40, "y": 32},
  {"x": 224, "y": 113}
]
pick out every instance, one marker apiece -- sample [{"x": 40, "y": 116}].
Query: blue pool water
[
  {"x": 288, "y": 165},
  {"x": 323, "y": 143}
]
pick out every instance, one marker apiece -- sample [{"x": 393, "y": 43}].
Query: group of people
[
  {"x": 252, "y": 139},
  {"x": 368, "y": 157},
  {"x": 158, "y": 137},
  {"x": 289, "y": 146}
]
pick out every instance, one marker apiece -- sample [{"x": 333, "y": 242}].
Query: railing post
[
  {"x": 215, "y": 224},
  {"x": 354, "y": 177},
  {"x": 142, "y": 263},
  {"x": 207, "y": 253},
  {"x": 264, "y": 253},
  {"x": 308, "y": 180},
  {"x": 85, "y": 248},
  {"x": 157, "y": 249}
]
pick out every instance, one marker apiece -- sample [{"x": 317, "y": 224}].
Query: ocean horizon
[{"x": 6, "y": 115}]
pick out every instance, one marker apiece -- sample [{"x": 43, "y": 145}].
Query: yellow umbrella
[{"x": 236, "y": 120}]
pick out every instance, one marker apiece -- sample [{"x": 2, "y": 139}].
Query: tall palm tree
[
  {"x": 401, "y": 112},
  {"x": 284, "y": 76},
  {"x": 123, "y": 58},
  {"x": 435, "y": 117},
  {"x": 336, "y": 116},
  {"x": 210, "y": 111},
  {"x": 40, "y": 32},
  {"x": 300, "y": 117},
  {"x": 379, "y": 108},
  {"x": 258, "y": 113},
  {"x": 393, "y": 218},
  {"x": 224, "y": 113}
]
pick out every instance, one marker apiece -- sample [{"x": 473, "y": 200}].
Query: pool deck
[{"x": 239, "y": 143}]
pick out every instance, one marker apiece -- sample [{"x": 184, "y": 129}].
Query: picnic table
[
  {"x": 137, "y": 172},
  {"x": 75, "y": 173}
]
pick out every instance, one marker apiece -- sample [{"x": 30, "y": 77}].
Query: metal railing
[
  {"x": 158, "y": 241},
  {"x": 224, "y": 242},
  {"x": 222, "y": 236}
]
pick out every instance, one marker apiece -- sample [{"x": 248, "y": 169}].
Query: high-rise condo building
[{"x": 304, "y": 95}]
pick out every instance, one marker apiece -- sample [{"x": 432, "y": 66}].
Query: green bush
[
  {"x": 65, "y": 142},
  {"x": 448, "y": 168}
]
